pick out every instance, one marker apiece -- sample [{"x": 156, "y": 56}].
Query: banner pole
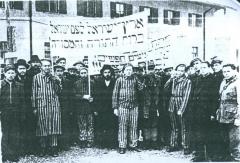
[
  {"x": 89, "y": 78},
  {"x": 146, "y": 62}
]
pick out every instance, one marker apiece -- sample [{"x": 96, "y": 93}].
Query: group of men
[{"x": 194, "y": 108}]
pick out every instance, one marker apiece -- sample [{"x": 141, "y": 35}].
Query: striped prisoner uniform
[
  {"x": 83, "y": 110},
  {"x": 125, "y": 100},
  {"x": 45, "y": 100},
  {"x": 181, "y": 88}
]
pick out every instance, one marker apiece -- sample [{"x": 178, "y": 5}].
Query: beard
[
  {"x": 22, "y": 75},
  {"x": 108, "y": 77}
]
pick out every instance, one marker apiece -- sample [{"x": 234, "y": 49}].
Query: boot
[{"x": 53, "y": 151}]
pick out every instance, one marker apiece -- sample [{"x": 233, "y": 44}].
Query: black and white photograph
[{"x": 119, "y": 81}]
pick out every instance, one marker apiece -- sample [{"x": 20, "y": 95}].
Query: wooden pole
[
  {"x": 147, "y": 62},
  {"x": 89, "y": 77}
]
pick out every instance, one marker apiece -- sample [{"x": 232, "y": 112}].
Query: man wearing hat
[
  {"x": 11, "y": 107},
  {"x": 28, "y": 127},
  {"x": 66, "y": 99},
  {"x": 35, "y": 66},
  {"x": 21, "y": 67},
  {"x": 71, "y": 78},
  {"x": 216, "y": 148},
  {"x": 45, "y": 99},
  {"x": 196, "y": 64},
  {"x": 79, "y": 65},
  {"x": 106, "y": 121},
  {"x": 164, "y": 119},
  {"x": 150, "y": 108},
  {"x": 61, "y": 62}
]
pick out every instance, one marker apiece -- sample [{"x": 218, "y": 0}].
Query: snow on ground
[{"x": 94, "y": 155}]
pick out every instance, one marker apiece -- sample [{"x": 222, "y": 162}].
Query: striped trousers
[
  {"x": 179, "y": 131},
  {"x": 127, "y": 120},
  {"x": 85, "y": 126},
  {"x": 51, "y": 140}
]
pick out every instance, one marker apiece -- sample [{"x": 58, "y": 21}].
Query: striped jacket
[
  {"x": 181, "y": 89},
  {"x": 45, "y": 100},
  {"x": 125, "y": 92}
]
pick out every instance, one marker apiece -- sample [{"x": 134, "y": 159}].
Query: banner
[
  {"x": 158, "y": 50},
  {"x": 74, "y": 38}
]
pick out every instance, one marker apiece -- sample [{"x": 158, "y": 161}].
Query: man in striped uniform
[
  {"x": 181, "y": 87},
  {"x": 45, "y": 102},
  {"x": 83, "y": 109},
  {"x": 126, "y": 108}
]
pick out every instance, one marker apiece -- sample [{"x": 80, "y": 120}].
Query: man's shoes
[
  {"x": 186, "y": 151},
  {"x": 53, "y": 152},
  {"x": 172, "y": 149},
  {"x": 89, "y": 144},
  {"x": 134, "y": 149},
  {"x": 14, "y": 159},
  {"x": 43, "y": 152},
  {"x": 198, "y": 159},
  {"x": 122, "y": 150}
]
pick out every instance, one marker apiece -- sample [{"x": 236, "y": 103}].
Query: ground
[{"x": 95, "y": 155}]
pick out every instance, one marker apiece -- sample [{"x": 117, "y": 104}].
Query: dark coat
[
  {"x": 201, "y": 99},
  {"x": 103, "y": 96},
  {"x": 105, "y": 120},
  {"x": 217, "y": 80},
  {"x": 12, "y": 105}
]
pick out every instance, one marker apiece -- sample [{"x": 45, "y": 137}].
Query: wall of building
[{"x": 221, "y": 38}]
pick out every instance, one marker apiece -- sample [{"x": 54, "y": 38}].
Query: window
[
  {"x": 53, "y": 6},
  {"x": 153, "y": 17},
  {"x": 11, "y": 38},
  {"x": 3, "y": 46},
  {"x": 120, "y": 9},
  {"x": 11, "y": 60},
  {"x": 2, "y": 4},
  {"x": 194, "y": 20},
  {"x": 47, "y": 50},
  {"x": 195, "y": 51},
  {"x": 18, "y": 5},
  {"x": 171, "y": 17},
  {"x": 89, "y": 8}
]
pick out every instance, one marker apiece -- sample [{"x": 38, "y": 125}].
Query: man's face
[
  {"x": 21, "y": 70},
  {"x": 128, "y": 71},
  {"x": 228, "y": 72},
  {"x": 168, "y": 72},
  {"x": 180, "y": 71},
  {"x": 191, "y": 71},
  {"x": 62, "y": 63},
  {"x": 79, "y": 66},
  {"x": 197, "y": 65},
  {"x": 46, "y": 67},
  {"x": 107, "y": 74},
  {"x": 72, "y": 72},
  {"x": 217, "y": 67},
  {"x": 10, "y": 75},
  {"x": 59, "y": 72},
  {"x": 204, "y": 69},
  {"x": 83, "y": 73},
  {"x": 85, "y": 62},
  {"x": 36, "y": 64}
]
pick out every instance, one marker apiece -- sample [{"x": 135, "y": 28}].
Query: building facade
[{"x": 187, "y": 29}]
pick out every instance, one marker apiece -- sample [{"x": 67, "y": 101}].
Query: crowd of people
[{"x": 46, "y": 109}]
